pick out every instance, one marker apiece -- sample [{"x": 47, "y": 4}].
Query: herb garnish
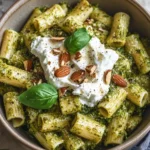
[
  {"x": 42, "y": 96},
  {"x": 77, "y": 40}
]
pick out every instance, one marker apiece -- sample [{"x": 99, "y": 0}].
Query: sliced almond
[
  {"x": 91, "y": 69},
  {"x": 85, "y": 80},
  {"x": 78, "y": 76},
  {"x": 57, "y": 38},
  {"x": 107, "y": 76},
  {"x": 89, "y": 21},
  {"x": 64, "y": 59},
  {"x": 40, "y": 81},
  {"x": 27, "y": 65},
  {"x": 49, "y": 63},
  {"x": 77, "y": 56},
  {"x": 119, "y": 80},
  {"x": 62, "y": 91},
  {"x": 56, "y": 51},
  {"x": 37, "y": 81},
  {"x": 62, "y": 71}
]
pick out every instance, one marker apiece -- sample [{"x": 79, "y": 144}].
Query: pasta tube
[
  {"x": 77, "y": 16},
  {"x": 73, "y": 142},
  {"x": 137, "y": 95},
  {"x": 82, "y": 11},
  {"x": 5, "y": 88},
  {"x": 97, "y": 29},
  {"x": 32, "y": 114},
  {"x": 13, "y": 108},
  {"x": 49, "y": 140},
  {"x": 119, "y": 30},
  {"x": 52, "y": 122},
  {"x": 133, "y": 123},
  {"x": 28, "y": 38},
  {"x": 15, "y": 76},
  {"x": 116, "y": 130},
  {"x": 18, "y": 58},
  {"x": 69, "y": 104},
  {"x": 135, "y": 47},
  {"x": 112, "y": 102},
  {"x": 87, "y": 128},
  {"x": 29, "y": 26},
  {"x": 49, "y": 18},
  {"x": 9, "y": 44},
  {"x": 122, "y": 66},
  {"x": 101, "y": 16}
]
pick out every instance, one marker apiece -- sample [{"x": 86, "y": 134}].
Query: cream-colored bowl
[{"x": 140, "y": 22}]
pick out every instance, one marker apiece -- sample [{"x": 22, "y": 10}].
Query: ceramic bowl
[{"x": 16, "y": 17}]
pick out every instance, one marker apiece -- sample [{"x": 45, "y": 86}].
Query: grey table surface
[{"x": 7, "y": 141}]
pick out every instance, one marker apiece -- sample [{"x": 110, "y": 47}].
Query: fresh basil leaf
[
  {"x": 42, "y": 96},
  {"x": 77, "y": 40}
]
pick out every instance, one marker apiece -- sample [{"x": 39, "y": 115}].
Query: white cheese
[{"x": 94, "y": 53}]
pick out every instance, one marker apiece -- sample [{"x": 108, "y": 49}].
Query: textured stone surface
[{"x": 6, "y": 140}]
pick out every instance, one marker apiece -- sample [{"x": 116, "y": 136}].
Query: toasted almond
[
  {"x": 40, "y": 81},
  {"x": 85, "y": 80},
  {"x": 62, "y": 91},
  {"x": 107, "y": 76},
  {"x": 91, "y": 69},
  {"x": 64, "y": 59},
  {"x": 27, "y": 65},
  {"x": 56, "y": 51},
  {"x": 119, "y": 80},
  {"x": 77, "y": 56},
  {"x": 78, "y": 76},
  {"x": 89, "y": 21},
  {"x": 62, "y": 71},
  {"x": 57, "y": 38},
  {"x": 37, "y": 81},
  {"x": 49, "y": 63}
]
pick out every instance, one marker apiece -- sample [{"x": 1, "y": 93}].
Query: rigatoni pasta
[
  {"x": 49, "y": 140},
  {"x": 52, "y": 122},
  {"x": 14, "y": 109},
  {"x": 87, "y": 128},
  {"x": 70, "y": 105},
  {"x": 119, "y": 30},
  {"x": 112, "y": 102},
  {"x": 101, "y": 16},
  {"x": 77, "y": 16},
  {"x": 72, "y": 142},
  {"x": 5, "y": 88},
  {"x": 137, "y": 94},
  {"x": 31, "y": 114},
  {"x": 9, "y": 45},
  {"x": 135, "y": 47},
  {"x": 116, "y": 130},
  {"x": 82, "y": 93},
  {"x": 49, "y": 17},
  {"x": 133, "y": 122},
  {"x": 15, "y": 76},
  {"x": 29, "y": 26}
]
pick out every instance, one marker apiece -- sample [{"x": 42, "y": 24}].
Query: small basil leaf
[
  {"x": 42, "y": 96},
  {"x": 77, "y": 40}
]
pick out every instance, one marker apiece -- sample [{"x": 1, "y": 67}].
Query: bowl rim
[{"x": 4, "y": 122}]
